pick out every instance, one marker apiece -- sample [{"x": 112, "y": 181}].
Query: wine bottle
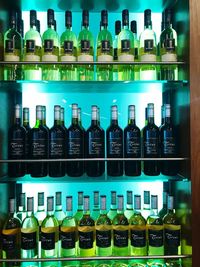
[
  {"x": 68, "y": 233},
  {"x": 132, "y": 145},
  {"x": 30, "y": 234},
  {"x": 75, "y": 145},
  {"x": 38, "y": 25},
  {"x": 146, "y": 205},
  {"x": 151, "y": 144},
  {"x": 16, "y": 145},
  {"x": 59, "y": 213},
  {"x": 113, "y": 207},
  {"x": 120, "y": 230},
  {"x": 104, "y": 49},
  {"x": 49, "y": 234},
  {"x": 115, "y": 49},
  {"x": 57, "y": 146},
  {"x": 50, "y": 49},
  {"x": 21, "y": 213},
  {"x": 155, "y": 234},
  {"x": 164, "y": 210},
  {"x": 79, "y": 213},
  {"x": 62, "y": 119},
  {"x": 103, "y": 231},
  {"x": 125, "y": 49},
  {"x": 114, "y": 141},
  {"x": 168, "y": 139},
  {"x": 11, "y": 236},
  {"x": 85, "y": 49},
  {"x": 12, "y": 49},
  {"x": 129, "y": 205},
  {"x": 172, "y": 234},
  {"x": 147, "y": 50},
  {"x": 162, "y": 116},
  {"x": 26, "y": 125},
  {"x": 39, "y": 146},
  {"x": 95, "y": 146},
  {"x": 96, "y": 209},
  {"x": 138, "y": 240},
  {"x": 86, "y": 232},
  {"x": 68, "y": 50}
]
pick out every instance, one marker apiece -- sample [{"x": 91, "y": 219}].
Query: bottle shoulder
[
  {"x": 103, "y": 220},
  {"x": 154, "y": 220},
  {"x": 105, "y": 35},
  {"x": 50, "y": 221},
  {"x": 85, "y": 34},
  {"x": 30, "y": 222},
  {"x": 137, "y": 219},
  {"x": 68, "y": 35},
  {"x": 120, "y": 219},
  {"x": 86, "y": 220},
  {"x": 11, "y": 223},
  {"x": 69, "y": 221},
  {"x": 169, "y": 33},
  {"x": 151, "y": 127},
  {"x": 95, "y": 128},
  {"x": 171, "y": 218},
  {"x": 57, "y": 129},
  {"x": 125, "y": 34},
  {"x": 33, "y": 35},
  {"x": 9, "y": 34},
  {"x": 51, "y": 34},
  {"x": 147, "y": 34},
  {"x": 17, "y": 129},
  {"x": 114, "y": 128},
  {"x": 132, "y": 128}
]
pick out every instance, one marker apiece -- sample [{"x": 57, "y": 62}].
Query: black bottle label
[
  {"x": 169, "y": 146},
  {"x": 133, "y": 145},
  {"x": 115, "y": 146},
  {"x": 120, "y": 238},
  {"x": 9, "y": 46},
  {"x": 155, "y": 238},
  {"x": 86, "y": 240},
  {"x": 68, "y": 47},
  {"x": 85, "y": 46},
  {"x": 148, "y": 45},
  {"x": 75, "y": 146},
  {"x": 125, "y": 45},
  {"x": 47, "y": 241},
  {"x": 151, "y": 146},
  {"x": 105, "y": 46},
  {"x": 8, "y": 242},
  {"x": 170, "y": 44},
  {"x": 48, "y": 45},
  {"x": 28, "y": 240},
  {"x": 115, "y": 54},
  {"x": 30, "y": 46},
  {"x": 17, "y": 147},
  {"x": 95, "y": 146},
  {"x": 103, "y": 239},
  {"x": 172, "y": 237},
  {"x": 39, "y": 147},
  {"x": 57, "y": 147},
  {"x": 68, "y": 240},
  {"x": 138, "y": 238}
]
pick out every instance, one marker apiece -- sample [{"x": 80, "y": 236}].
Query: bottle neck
[
  {"x": 150, "y": 120},
  {"x": 40, "y": 208},
  {"x": 85, "y": 27},
  {"x": 137, "y": 211},
  {"x": 80, "y": 207},
  {"x": 58, "y": 208},
  {"x": 86, "y": 212},
  {"x": 131, "y": 121},
  {"x": 26, "y": 123},
  {"x": 168, "y": 120},
  {"x": 21, "y": 208},
  {"x": 30, "y": 213},
  {"x": 74, "y": 121},
  {"x": 120, "y": 211},
  {"x": 148, "y": 26},
  {"x": 50, "y": 213},
  {"x": 154, "y": 212},
  {"x": 56, "y": 122},
  {"x": 69, "y": 213},
  {"x": 33, "y": 27},
  {"x": 129, "y": 206},
  {"x": 51, "y": 26},
  {"x": 17, "y": 121},
  {"x": 13, "y": 26},
  {"x": 69, "y": 28},
  {"x": 103, "y": 212},
  {"x": 125, "y": 27}
]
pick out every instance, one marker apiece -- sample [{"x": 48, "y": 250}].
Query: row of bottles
[
  {"x": 125, "y": 47},
  {"x": 85, "y": 236},
  {"x": 56, "y": 143}
]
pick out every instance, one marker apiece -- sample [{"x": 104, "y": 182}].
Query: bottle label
[
  {"x": 125, "y": 46},
  {"x": 86, "y": 58},
  {"x": 47, "y": 241},
  {"x": 49, "y": 58},
  {"x": 105, "y": 46},
  {"x": 30, "y": 46},
  {"x": 75, "y": 146},
  {"x": 39, "y": 147},
  {"x": 57, "y": 147},
  {"x": 148, "y": 58},
  {"x": 28, "y": 240},
  {"x": 48, "y": 46},
  {"x": 120, "y": 238},
  {"x": 68, "y": 58},
  {"x": 170, "y": 45},
  {"x": 115, "y": 146},
  {"x": 8, "y": 242},
  {"x": 32, "y": 58},
  {"x": 170, "y": 57},
  {"x": 148, "y": 45},
  {"x": 96, "y": 146},
  {"x": 17, "y": 147},
  {"x": 138, "y": 238},
  {"x": 85, "y": 46},
  {"x": 169, "y": 146},
  {"x": 103, "y": 239},
  {"x": 86, "y": 240},
  {"x": 68, "y": 240},
  {"x": 9, "y": 46},
  {"x": 126, "y": 58},
  {"x": 155, "y": 238},
  {"x": 108, "y": 58},
  {"x": 68, "y": 47},
  {"x": 151, "y": 146},
  {"x": 172, "y": 237},
  {"x": 133, "y": 145}
]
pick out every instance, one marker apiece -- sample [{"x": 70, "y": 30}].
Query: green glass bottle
[
  {"x": 136, "y": 49},
  {"x": 85, "y": 50},
  {"x": 59, "y": 213},
  {"x": 96, "y": 209},
  {"x": 26, "y": 125},
  {"x": 163, "y": 211},
  {"x": 155, "y": 234},
  {"x": 12, "y": 49},
  {"x": 113, "y": 207},
  {"x": 32, "y": 50},
  {"x": 115, "y": 49},
  {"x": 68, "y": 50},
  {"x": 21, "y": 214},
  {"x": 138, "y": 246},
  {"x": 125, "y": 49},
  {"x": 103, "y": 232},
  {"x": 146, "y": 205},
  {"x": 79, "y": 213},
  {"x": 104, "y": 49},
  {"x": 29, "y": 235},
  {"x": 129, "y": 205},
  {"x": 50, "y": 49}
]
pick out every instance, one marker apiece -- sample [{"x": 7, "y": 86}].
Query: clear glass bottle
[
  {"x": 32, "y": 50},
  {"x": 129, "y": 205},
  {"x": 146, "y": 205},
  {"x": 113, "y": 207},
  {"x": 115, "y": 49},
  {"x": 104, "y": 49},
  {"x": 50, "y": 49},
  {"x": 59, "y": 213},
  {"x": 21, "y": 213},
  {"x": 85, "y": 50},
  {"x": 86, "y": 232},
  {"x": 79, "y": 213},
  {"x": 26, "y": 125},
  {"x": 147, "y": 50},
  {"x": 68, "y": 50},
  {"x": 96, "y": 208},
  {"x": 136, "y": 49}
]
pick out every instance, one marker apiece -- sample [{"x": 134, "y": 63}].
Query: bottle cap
[
  {"x": 30, "y": 204},
  {"x": 22, "y": 199},
  {"x": 33, "y": 18},
  {"x": 50, "y": 206},
  {"x": 125, "y": 17},
  {"x": 170, "y": 202},
  {"x": 41, "y": 199},
  {"x": 154, "y": 202},
  {"x": 137, "y": 202},
  {"x": 104, "y": 17},
  {"x": 11, "y": 205},
  {"x": 50, "y": 17},
  {"x": 168, "y": 16},
  {"x": 85, "y": 18},
  {"x": 58, "y": 198},
  {"x": 86, "y": 203},
  {"x": 69, "y": 203},
  {"x": 96, "y": 198},
  {"x": 120, "y": 202},
  {"x": 113, "y": 197},
  {"x": 103, "y": 202},
  {"x": 68, "y": 18},
  {"x": 147, "y": 197},
  {"x": 80, "y": 198},
  {"x": 13, "y": 18},
  {"x": 117, "y": 27},
  {"x": 131, "y": 111},
  {"x": 147, "y": 17},
  {"x": 129, "y": 197}
]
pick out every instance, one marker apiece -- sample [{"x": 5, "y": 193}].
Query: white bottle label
[
  {"x": 49, "y": 58},
  {"x": 169, "y": 57},
  {"x": 11, "y": 58},
  {"x": 148, "y": 58},
  {"x": 68, "y": 58},
  {"x": 125, "y": 58},
  {"x": 106, "y": 58},
  {"x": 32, "y": 58},
  {"x": 85, "y": 58}
]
